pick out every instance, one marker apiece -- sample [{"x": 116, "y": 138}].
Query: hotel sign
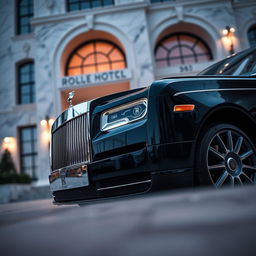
[{"x": 95, "y": 78}]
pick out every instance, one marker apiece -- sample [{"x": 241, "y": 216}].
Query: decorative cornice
[{"x": 76, "y": 15}]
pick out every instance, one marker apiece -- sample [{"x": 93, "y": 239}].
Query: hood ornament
[{"x": 70, "y": 97}]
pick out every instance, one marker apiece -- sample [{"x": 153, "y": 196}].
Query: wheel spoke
[
  {"x": 247, "y": 178},
  {"x": 238, "y": 144},
  {"x": 250, "y": 168},
  {"x": 216, "y": 166},
  {"x": 216, "y": 153},
  {"x": 246, "y": 154},
  {"x": 221, "y": 143},
  {"x": 232, "y": 181},
  {"x": 238, "y": 178},
  {"x": 230, "y": 141},
  {"x": 221, "y": 179}
]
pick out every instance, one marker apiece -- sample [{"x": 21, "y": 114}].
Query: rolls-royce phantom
[{"x": 180, "y": 131}]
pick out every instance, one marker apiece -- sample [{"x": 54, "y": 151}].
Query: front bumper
[
  {"x": 123, "y": 174},
  {"x": 69, "y": 178}
]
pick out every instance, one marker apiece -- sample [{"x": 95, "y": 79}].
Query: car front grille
[{"x": 70, "y": 143}]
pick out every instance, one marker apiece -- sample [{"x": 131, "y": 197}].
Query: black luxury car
[{"x": 178, "y": 132}]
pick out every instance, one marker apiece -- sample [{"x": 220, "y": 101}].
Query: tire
[{"x": 225, "y": 156}]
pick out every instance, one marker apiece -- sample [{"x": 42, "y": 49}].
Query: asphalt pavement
[{"x": 182, "y": 222}]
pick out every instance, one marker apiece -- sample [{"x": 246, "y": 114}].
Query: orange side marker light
[{"x": 182, "y": 108}]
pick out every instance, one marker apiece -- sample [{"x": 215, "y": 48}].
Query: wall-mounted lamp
[
  {"x": 46, "y": 125},
  {"x": 9, "y": 143},
  {"x": 228, "y": 33},
  {"x": 47, "y": 122}
]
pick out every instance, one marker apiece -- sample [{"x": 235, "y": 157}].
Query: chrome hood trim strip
[{"x": 215, "y": 90}]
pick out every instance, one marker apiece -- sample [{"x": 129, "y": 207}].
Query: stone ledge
[
  {"x": 12, "y": 192},
  {"x": 23, "y": 192}
]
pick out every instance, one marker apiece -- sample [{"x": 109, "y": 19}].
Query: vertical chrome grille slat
[{"x": 70, "y": 143}]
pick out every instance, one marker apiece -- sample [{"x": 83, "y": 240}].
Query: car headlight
[{"x": 124, "y": 114}]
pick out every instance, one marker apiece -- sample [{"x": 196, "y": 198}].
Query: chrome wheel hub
[
  {"x": 232, "y": 164},
  {"x": 231, "y": 159}
]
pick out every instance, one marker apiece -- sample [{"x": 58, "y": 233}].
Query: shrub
[{"x": 8, "y": 172}]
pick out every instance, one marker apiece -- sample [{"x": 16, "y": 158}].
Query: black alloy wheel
[{"x": 226, "y": 156}]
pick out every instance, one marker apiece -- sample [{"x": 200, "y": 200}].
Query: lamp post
[{"x": 228, "y": 32}]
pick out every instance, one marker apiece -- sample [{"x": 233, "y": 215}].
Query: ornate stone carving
[
  {"x": 180, "y": 13},
  {"x": 26, "y": 48},
  {"x": 90, "y": 21},
  {"x": 50, "y": 4}
]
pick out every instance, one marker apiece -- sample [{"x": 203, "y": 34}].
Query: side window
[
  {"x": 244, "y": 66},
  {"x": 252, "y": 35},
  {"x": 253, "y": 70}
]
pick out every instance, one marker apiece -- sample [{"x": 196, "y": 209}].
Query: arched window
[
  {"x": 252, "y": 35},
  {"x": 26, "y": 83},
  {"x": 24, "y": 13},
  {"x": 181, "y": 48},
  {"x": 95, "y": 56}
]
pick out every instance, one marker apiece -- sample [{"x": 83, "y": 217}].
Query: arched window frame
[
  {"x": 178, "y": 34},
  {"x": 251, "y": 35},
  {"x": 115, "y": 46},
  {"x": 25, "y": 95}
]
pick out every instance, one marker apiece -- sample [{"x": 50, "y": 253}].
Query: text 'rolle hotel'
[{"x": 98, "y": 47}]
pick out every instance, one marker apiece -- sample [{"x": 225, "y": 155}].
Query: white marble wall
[
  {"x": 13, "y": 49},
  {"x": 44, "y": 8},
  {"x": 137, "y": 29},
  {"x": 245, "y": 17}
]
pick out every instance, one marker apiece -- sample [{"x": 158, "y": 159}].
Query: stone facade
[{"x": 136, "y": 24}]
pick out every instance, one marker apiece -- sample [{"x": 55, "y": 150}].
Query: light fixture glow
[
  {"x": 43, "y": 122},
  {"x": 228, "y": 37},
  {"x": 232, "y": 30},
  {"x": 224, "y": 32},
  {"x": 9, "y": 143},
  {"x": 51, "y": 121}
]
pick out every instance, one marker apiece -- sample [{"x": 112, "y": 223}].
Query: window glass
[
  {"x": 28, "y": 150},
  {"x": 181, "y": 48},
  {"x": 161, "y": 1},
  {"x": 26, "y": 83},
  {"x": 24, "y": 14},
  {"x": 95, "y": 56},
  {"x": 74, "y": 5},
  {"x": 252, "y": 35},
  {"x": 240, "y": 64}
]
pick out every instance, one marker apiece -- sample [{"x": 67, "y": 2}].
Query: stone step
[{"x": 41, "y": 192}]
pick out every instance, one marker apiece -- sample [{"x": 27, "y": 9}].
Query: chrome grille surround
[{"x": 70, "y": 140}]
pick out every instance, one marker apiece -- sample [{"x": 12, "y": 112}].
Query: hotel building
[{"x": 49, "y": 48}]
